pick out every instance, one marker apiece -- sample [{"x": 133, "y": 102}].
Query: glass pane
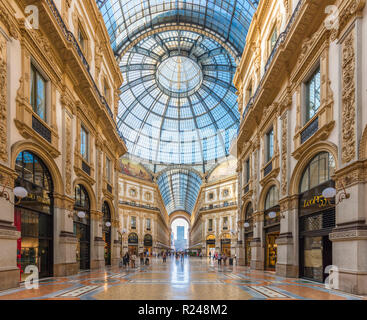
[
  {"x": 38, "y": 173},
  {"x": 33, "y": 89},
  {"x": 313, "y": 95},
  {"x": 41, "y": 97},
  {"x": 314, "y": 174}
]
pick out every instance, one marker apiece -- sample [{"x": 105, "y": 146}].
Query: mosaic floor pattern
[{"x": 192, "y": 279}]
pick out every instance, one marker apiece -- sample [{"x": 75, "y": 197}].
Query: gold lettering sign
[{"x": 321, "y": 201}]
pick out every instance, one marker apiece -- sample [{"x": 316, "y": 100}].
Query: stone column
[
  {"x": 287, "y": 261},
  {"x": 349, "y": 238},
  {"x": 257, "y": 248},
  {"x": 65, "y": 241},
  {"x": 9, "y": 272},
  {"x": 97, "y": 243},
  {"x": 241, "y": 245}
]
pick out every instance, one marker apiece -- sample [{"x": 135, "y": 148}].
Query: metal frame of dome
[
  {"x": 179, "y": 189},
  {"x": 128, "y": 20},
  {"x": 178, "y": 128}
]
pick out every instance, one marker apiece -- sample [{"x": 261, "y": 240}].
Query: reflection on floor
[{"x": 193, "y": 279}]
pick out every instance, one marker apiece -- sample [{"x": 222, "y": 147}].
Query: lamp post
[{"x": 19, "y": 192}]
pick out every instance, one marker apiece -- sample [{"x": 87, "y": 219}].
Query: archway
[
  {"x": 180, "y": 233},
  {"x": 148, "y": 244},
  {"x": 82, "y": 226},
  {"x": 316, "y": 217},
  {"x": 210, "y": 245},
  {"x": 133, "y": 243},
  {"x": 106, "y": 233},
  {"x": 33, "y": 216}
]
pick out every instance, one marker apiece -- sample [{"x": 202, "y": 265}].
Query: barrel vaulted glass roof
[
  {"x": 179, "y": 189},
  {"x": 126, "y": 20},
  {"x": 178, "y": 105}
]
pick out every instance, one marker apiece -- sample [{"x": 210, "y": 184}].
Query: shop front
[
  {"x": 148, "y": 244},
  {"x": 33, "y": 217},
  {"x": 316, "y": 218},
  {"x": 82, "y": 227},
  {"x": 271, "y": 227},
  {"x": 226, "y": 244},
  {"x": 249, "y": 235},
  {"x": 106, "y": 233},
  {"x": 210, "y": 245},
  {"x": 133, "y": 243}
]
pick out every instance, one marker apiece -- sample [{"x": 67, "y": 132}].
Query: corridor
[{"x": 193, "y": 279}]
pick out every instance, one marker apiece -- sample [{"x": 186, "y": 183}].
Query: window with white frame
[
  {"x": 38, "y": 93},
  {"x": 313, "y": 88},
  {"x": 84, "y": 143}
]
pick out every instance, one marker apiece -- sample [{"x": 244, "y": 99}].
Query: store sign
[
  {"x": 211, "y": 241},
  {"x": 226, "y": 241},
  {"x": 319, "y": 201},
  {"x": 313, "y": 200},
  {"x": 133, "y": 238},
  {"x": 148, "y": 241}
]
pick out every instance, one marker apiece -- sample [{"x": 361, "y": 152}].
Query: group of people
[
  {"x": 130, "y": 259},
  {"x": 220, "y": 257}
]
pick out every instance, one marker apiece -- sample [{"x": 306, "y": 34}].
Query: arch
[
  {"x": 244, "y": 206},
  {"x": 306, "y": 157},
  {"x": 363, "y": 145},
  {"x": 110, "y": 206},
  {"x": 272, "y": 182},
  {"x": 49, "y": 162},
  {"x": 180, "y": 214},
  {"x": 86, "y": 185}
]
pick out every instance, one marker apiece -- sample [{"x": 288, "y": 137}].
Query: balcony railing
[
  {"x": 133, "y": 204},
  {"x": 69, "y": 36},
  {"x": 282, "y": 37},
  {"x": 224, "y": 205}
]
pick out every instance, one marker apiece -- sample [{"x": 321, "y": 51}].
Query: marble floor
[{"x": 193, "y": 279}]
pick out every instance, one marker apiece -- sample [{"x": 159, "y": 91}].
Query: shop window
[
  {"x": 148, "y": 222},
  {"x": 249, "y": 212},
  {"x": 269, "y": 145},
  {"x": 84, "y": 143},
  {"x": 313, "y": 87},
  {"x": 318, "y": 171},
  {"x": 38, "y": 93},
  {"x": 211, "y": 196}
]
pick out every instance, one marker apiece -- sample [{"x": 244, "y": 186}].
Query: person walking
[
  {"x": 141, "y": 255},
  {"x": 219, "y": 259},
  {"x": 164, "y": 258},
  {"x": 224, "y": 259},
  {"x": 133, "y": 258}
]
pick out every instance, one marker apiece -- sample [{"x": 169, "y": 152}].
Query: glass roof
[
  {"x": 179, "y": 75},
  {"x": 178, "y": 104},
  {"x": 179, "y": 189},
  {"x": 178, "y": 107},
  {"x": 127, "y": 20}
]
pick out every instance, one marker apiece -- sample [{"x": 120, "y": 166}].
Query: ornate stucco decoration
[
  {"x": 348, "y": 99},
  {"x": 3, "y": 101},
  {"x": 284, "y": 183}
]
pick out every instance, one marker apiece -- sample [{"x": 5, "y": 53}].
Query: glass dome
[
  {"x": 179, "y": 75},
  {"x": 178, "y": 104}
]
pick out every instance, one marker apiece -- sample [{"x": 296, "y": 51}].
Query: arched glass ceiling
[
  {"x": 178, "y": 104},
  {"x": 179, "y": 189},
  {"x": 126, "y": 20}
]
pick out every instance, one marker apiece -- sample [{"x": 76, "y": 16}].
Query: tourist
[
  {"x": 141, "y": 258},
  {"x": 219, "y": 259},
  {"x": 224, "y": 259},
  {"x": 133, "y": 258}
]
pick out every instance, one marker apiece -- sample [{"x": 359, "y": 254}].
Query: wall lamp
[
  {"x": 273, "y": 215},
  {"x": 330, "y": 193},
  {"x": 19, "y": 192},
  {"x": 80, "y": 214}
]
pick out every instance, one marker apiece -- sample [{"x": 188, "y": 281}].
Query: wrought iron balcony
[
  {"x": 69, "y": 36},
  {"x": 133, "y": 204},
  {"x": 282, "y": 37},
  {"x": 224, "y": 205}
]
